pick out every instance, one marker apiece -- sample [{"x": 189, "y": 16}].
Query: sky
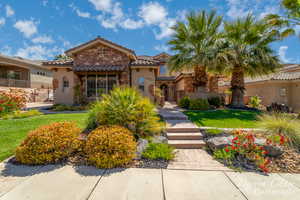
[{"x": 41, "y": 29}]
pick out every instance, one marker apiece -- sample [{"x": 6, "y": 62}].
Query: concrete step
[
  {"x": 185, "y": 136},
  {"x": 187, "y": 144},
  {"x": 183, "y": 130}
]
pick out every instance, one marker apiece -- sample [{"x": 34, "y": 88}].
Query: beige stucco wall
[
  {"x": 66, "y": 96},
  {"x": 270, "y": 92},
  {"x": 149, "y": 76},
  {"x": 41, "y": 81},
  {"x": 295, "y": 95}
]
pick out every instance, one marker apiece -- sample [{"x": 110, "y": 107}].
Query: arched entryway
[{"x": 165, "y": 90}]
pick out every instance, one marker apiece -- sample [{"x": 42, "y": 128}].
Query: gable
[{"x": 101, "y": 55}]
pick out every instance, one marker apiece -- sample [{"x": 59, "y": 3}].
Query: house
[
  {"x": 95, "y": 67},
  {"x": 282, "y": 87},
  {"x": 31, "y": 76}
]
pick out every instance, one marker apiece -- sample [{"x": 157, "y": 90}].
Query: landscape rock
[
  {"x": 141, "y": 146},
  {"x": 159, "y": 139},
  {"x": 216, "y": 143}
]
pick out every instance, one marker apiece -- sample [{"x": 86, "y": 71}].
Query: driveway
[{"x": 57, "y": 182}]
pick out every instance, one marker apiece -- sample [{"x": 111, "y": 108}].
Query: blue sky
[{"x": 41, "y": 29}]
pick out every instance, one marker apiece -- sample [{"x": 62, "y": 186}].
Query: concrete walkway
[{"x": 56, "y": 182}]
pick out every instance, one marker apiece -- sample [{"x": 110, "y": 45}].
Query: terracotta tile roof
[
  {"x": 59, "y": 62},
  {"x": 99, "y": 68},
  {"x": 145, "y": 61},
  {"x": 166, "y": 78},
  {"x": 280, "y": 76}
]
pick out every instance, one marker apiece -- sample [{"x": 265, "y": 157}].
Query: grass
[
  {"x": 224, "y": 118},
  {"x": 13, "y": 131}
]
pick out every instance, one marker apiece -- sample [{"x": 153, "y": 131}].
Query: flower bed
[
  {"x": 11, "y": 101},
  {"x": 250, "y": 151}
]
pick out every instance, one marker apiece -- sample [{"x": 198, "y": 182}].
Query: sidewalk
[{"x": 56, "y": 182}]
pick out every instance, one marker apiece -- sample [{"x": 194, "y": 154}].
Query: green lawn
[
  {"x": 12, "y": 132},
  {"x": 224, "y": 118}
]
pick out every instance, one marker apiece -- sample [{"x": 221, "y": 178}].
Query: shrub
[
  {"x": 110, "y": 146},
  {"x": 22, "y": 114},
  {"x": 280, "y": 123},
  {"x": 11, "y": 101},
  {"x": 128, "y": 108},
  {"x": 63, "y": 107},
  {"x": 215, "y": 101},
  {"x": 184, "y": 102},
  {"x": 156, "y": 151},
  {"x": 199, "y": 104},
  {"x": 48, "y": 144},
  {"x": 255, "y": 102}
]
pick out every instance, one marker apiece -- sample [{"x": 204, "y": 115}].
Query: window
[
  {"x": 141, "y": 83},
  {"x": 163, "y": 70},
  {"x": 65, "y": 83},
  {"x": 283, "y": 92},
  {"x": 96, "y": 85}
]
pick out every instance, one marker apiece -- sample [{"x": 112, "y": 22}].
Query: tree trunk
[
  {"x": 237, "y": 87},
  {"x": 200, "y": 79}
]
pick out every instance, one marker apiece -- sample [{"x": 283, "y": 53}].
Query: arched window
[
  {"x": 65, "y": 83},
  {"x": 141, "y": 83}
]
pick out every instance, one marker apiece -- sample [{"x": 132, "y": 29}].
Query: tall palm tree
[
  {"x": 193, "y": 42},
  {"x": 245, "y": 50}
]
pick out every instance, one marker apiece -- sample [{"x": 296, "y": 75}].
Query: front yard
[
  {"x": 224, "y": 118},
  {"x": 13, "y": 132}
]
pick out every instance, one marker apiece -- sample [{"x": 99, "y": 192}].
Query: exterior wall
[
  {"x": 148, "y": 75},
  {"x": 64, "y": 95},
  {"x": 41, "y": 81},
  {"x": 295, "y": 96}
]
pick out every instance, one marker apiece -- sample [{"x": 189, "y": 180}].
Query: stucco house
[
  {"x": 95, "y": 67},
  {"x": 31, "y": 76},
  {"x": 282, "y": 87}
]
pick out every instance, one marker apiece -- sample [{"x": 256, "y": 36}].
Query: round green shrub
[
  {"x": 184, "y": 102},
  {"x": 156, "y": 151},
  {"x": 199, "y": 104},
  {"x": 110, "y": 146},
  {"x": 49, "y": 144}
]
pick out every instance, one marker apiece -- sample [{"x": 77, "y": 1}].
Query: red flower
[{"x": 227, "y": 150}]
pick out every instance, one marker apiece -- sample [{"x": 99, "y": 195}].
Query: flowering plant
[
  {"x": 244, "y": 144},
  {"x": 11, "y": 100}
]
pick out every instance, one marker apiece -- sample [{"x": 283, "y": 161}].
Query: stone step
[
  {"x": 183, "y": 130},
  {"x": 171, "y": 117},
  {"x": 185, "y": 136},
  {"x": 187, "y": 144}
]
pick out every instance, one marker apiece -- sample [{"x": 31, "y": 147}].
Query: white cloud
[
  {"x": 131, "y": 24},
  {"x": 165, "y": 29},
  {"x": 9, "y": 11},
  {"x": 282, "y": 54},
  {"x": 27, "y": 27},
  {"x": 38, "y": 52},
  {"x": 80, "y": 13},
  {"x": 6, "y": 50},
  {"x": 153, "y": 13},
  {"x": 241, "y": 8},
  {"x": 161, "y": 48},
  {"x": 42, "y": 39},
  {"x": 102, "y": 5},
  {"x": 2, "y": 21}
]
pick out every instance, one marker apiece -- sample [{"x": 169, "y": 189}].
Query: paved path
[
  {"x": 186, "y": 134},
  {"x": 56, "y": 182}
]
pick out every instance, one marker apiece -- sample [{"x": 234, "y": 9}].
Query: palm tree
[
  {"x": 245, "y": 51},
  {"x": 193, "y": 42}
]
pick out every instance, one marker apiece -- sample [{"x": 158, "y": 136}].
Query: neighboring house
[
  {"x": 97, "y": 66},
  {"x": 282, "y": 87},
  {"x": 16, "y": 72}
]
